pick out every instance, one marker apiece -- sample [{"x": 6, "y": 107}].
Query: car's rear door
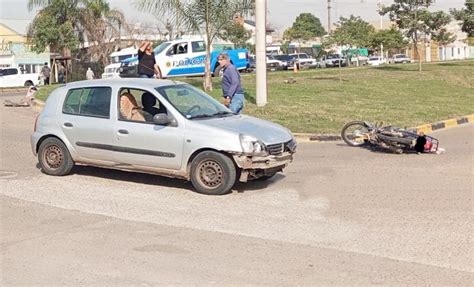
[{"x": 86, "y": 122}]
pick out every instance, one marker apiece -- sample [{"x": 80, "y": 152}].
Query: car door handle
[
  {"x": 69, "y": 125},
  {"x": 125, "y": 132}
]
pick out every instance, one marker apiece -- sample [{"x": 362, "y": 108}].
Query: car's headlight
[{"x": 252, "y": 146}]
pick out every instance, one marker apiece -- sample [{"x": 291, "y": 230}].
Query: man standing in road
[
  {"x": 147, "y": 67},
  {"x": 231, "y": 87},
  {"x": 46, "y": 72}
]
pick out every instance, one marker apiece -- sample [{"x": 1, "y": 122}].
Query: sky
[{"x": 280, "y": 15}]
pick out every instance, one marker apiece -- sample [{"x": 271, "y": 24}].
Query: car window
[
  {"x": 192, "y": 102},
  {"x": 303, "y": 56},
  {"x": 179, "y": 48},
  {"x": 6, "y": 72},
  {"x": 93, "y": 102},
  {"x": 198, "y": 46},
  {"x": 138, "y": 105}
]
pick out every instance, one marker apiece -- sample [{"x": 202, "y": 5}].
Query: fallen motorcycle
[{"x": 398, "y": 140}]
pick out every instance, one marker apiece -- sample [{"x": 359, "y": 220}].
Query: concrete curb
[
  {"x": 425, "y": 129},
  {"x": 13, "y": 90}
]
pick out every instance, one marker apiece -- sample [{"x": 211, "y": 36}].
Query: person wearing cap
[{"x": 231, "y": 87}]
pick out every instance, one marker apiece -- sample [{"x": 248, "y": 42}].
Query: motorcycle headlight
[{"x": 252, "y": 146}]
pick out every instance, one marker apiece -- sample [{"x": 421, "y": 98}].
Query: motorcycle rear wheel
[{"x": 355, "y": 133}]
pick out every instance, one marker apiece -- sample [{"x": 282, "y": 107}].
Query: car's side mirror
[{"x": 161, "y": 119}]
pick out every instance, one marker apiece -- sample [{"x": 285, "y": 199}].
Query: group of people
[
  {"x": 232, "y": 92},
  {"x": 45, "y": 74}
]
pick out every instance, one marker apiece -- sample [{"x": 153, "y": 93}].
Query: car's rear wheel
[
  {"x": 54, "y": 157},
  {"x": 213, "y": 173}
]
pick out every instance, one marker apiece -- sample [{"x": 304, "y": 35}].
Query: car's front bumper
[{"x": 270, "y": 162}]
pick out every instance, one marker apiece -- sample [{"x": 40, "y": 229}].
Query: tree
[
  {"x": 391, "y": 39},
  {"x": 466, "y": 15},
  {"x": 413, "y": 17},
  {"x": 235, "y": 33},
  {"x": 353, "y": 31},
  {"x": 205, "y": 17},
  {"x": 45, "y": 31},
  {"x": 64, "y": 24},
  {"x": 305, "y": 27}
]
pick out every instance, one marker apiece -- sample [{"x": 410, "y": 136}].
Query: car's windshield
[
  {"x": 193, "y": 103},
  {"x": 373, "y": 58},
  {"x": 332, "y": 56},
  {"x": 161, "y": 47},
  {"x": 400, "y": 56}
]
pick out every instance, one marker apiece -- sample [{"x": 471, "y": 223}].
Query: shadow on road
[{"x": 151, "y": 179}]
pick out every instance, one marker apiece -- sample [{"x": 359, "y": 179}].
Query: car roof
[{"x": 142, "y": 82}]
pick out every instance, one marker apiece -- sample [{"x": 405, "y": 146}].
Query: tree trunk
[
  {"x": 417, "y": 52},
  {"x": 207, "y": 81}
]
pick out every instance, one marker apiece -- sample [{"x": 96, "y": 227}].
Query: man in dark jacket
[{"x": 231, "y": 88}]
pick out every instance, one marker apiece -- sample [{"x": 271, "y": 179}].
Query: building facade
[{"x": 16, "y": 52}]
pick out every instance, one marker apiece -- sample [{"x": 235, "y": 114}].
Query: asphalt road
[{"x": 338, "y": 215}]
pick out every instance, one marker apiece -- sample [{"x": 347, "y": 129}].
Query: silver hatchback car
[{"x": 160, "y": 127}]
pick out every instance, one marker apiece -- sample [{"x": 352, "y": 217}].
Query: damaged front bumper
[{"x": 256, "y": 166}]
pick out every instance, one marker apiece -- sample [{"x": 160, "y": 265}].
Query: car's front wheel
[
  {"x": 54, "y": 157},
  {"x": 213, "y": 173}
]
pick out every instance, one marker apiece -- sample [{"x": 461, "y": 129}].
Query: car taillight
[{"x": 36, "y": 123}]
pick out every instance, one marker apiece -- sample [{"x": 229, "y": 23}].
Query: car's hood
[{"x": 267, "y": 132}]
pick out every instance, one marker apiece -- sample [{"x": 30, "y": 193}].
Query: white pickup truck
[{"x": 13, "y": 77}]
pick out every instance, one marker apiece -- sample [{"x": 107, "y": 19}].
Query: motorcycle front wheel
[{"x": 355, "y": 133}]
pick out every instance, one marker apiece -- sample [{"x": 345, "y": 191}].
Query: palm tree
[
  {"x": 205, "y": 17},
  {"x": 90, "y": 20}
]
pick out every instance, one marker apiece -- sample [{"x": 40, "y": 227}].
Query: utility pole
[
  {"x": 381, "y": 27},
  {"x": 329, "y": 16},
  {"x": 260, "y": 52}
]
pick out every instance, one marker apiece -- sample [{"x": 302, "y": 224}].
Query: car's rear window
[{"x": 91, "y": 101}]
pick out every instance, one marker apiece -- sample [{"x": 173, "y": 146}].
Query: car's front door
[
  {"x": 140, "y": 142},
  {"x": 87, "y": 124},
  {"x": 184, "y": 60}
]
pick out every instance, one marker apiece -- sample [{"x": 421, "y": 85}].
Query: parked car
[
  {"x": 400, "y": 58},
  {"x": 14, "y": 77},
  {"x": 287, "y": 61},
  {"x": 180, "y": 132},
  {"x": 304, "y": 60},
  {"x": 333, "y": 60},
  {"x": 375, "y": 61},
  {"x": 274, "y": 64}
]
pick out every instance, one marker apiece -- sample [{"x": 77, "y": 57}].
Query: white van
[{"x": 112, "y": 70}]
